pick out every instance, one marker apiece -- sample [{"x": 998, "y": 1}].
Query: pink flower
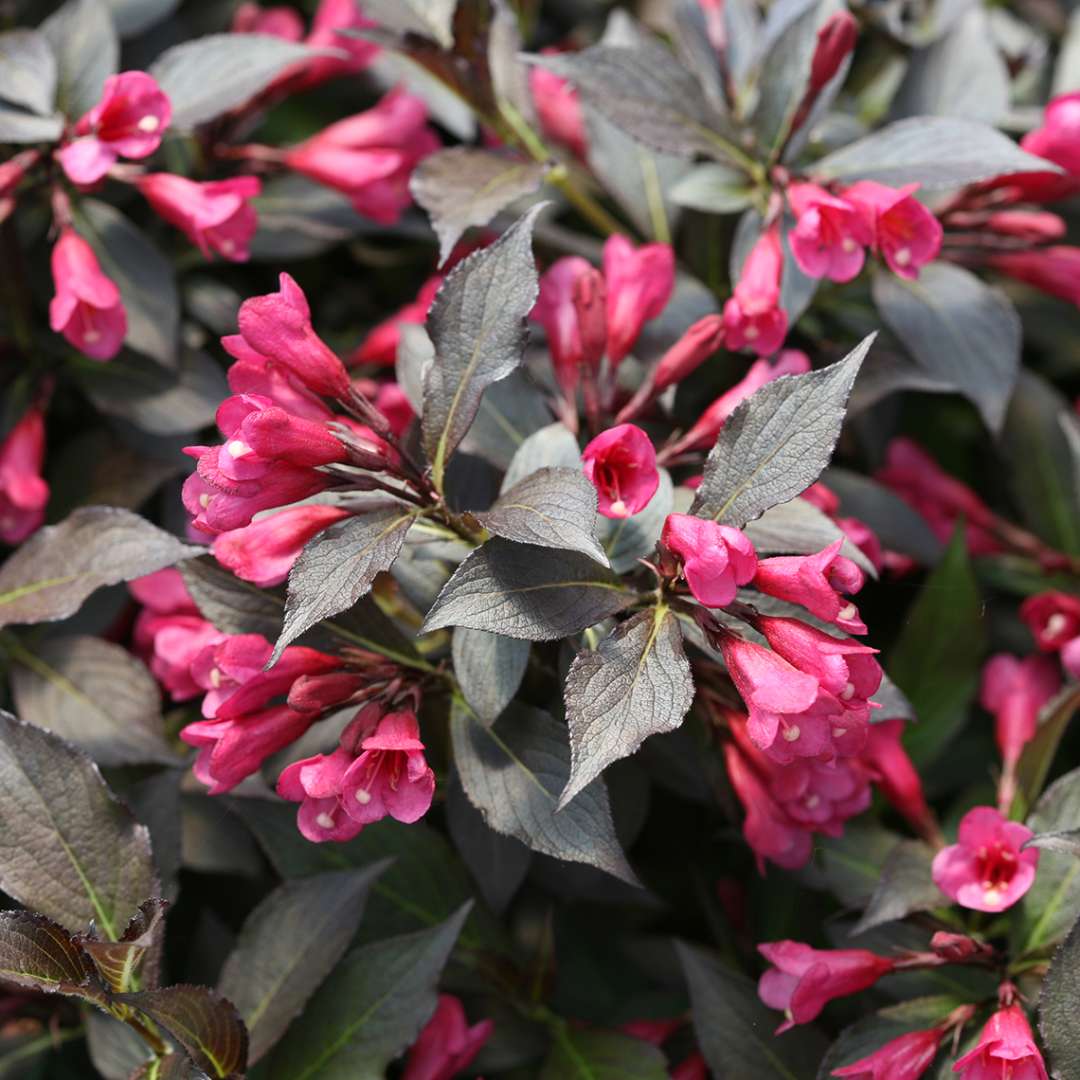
[
  {"x": 87, "y": 308},
  {"x": 381, "y": 344},
  {"x": 128, "y": 121},
  {"x": 1070, "y": 657},
  {"x": 447, "y": 1044},
  {"x": 278, "y": 326},
  {"x": 1006, "y": 1048},
  {"x": 753, "y": 318},
  {"x": 823, "y": 497},
  {"x": 280, "y": 22},
  {"x": 904, "y": 1058},
  {"x": 835, "y": 42},
  {"x": 907, "y": 235},
  {"x": 802, "y": 980},
  {"x": 716, "y": 559},
  {"x": 565, "y": 310},
  {"x": 558, "y": 108},
  {"x": 896, "y": 776},
  {"x": 1015, "y": 691},
  {"x": 1054, "y": 270},
  {"x": 215, "y": 216},
  {"x": 1052, "y": 617},
  {"x": 1058, "y": 140},
  {"x": 256, "y": 374},
  {"x": 264, "y": 551},
  {"x": 621, "y": 463},
  {"x": 12, "y": 173},
  {"x": 394, "y": 404},
  {"x": 985, "y": 869},
  {"x": 639, "y": 284},
  {"x": 701, "y": 340},
  {"x": 691, "y": 1068},
  {"x": 816, "y": 582},
  {"x": 371, "y": 156},
  {"x": 23, "y": 493},
  {"x": 830, "y": 235}
]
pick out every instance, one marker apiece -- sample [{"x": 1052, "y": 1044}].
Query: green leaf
[
  {"x": 135, "y": 960},
  {"x": 369, "y": 1009},
  {"x": 713, "y": 189},
  {"x": 1057, "y": 1008},
  {"x": 71, "y": 850},
  {"x": 603, "y": 1055},
  {"x": 936, "y": 660},
  {"x": 37, "y": 954},
  {"x": 288, "y": 945}
]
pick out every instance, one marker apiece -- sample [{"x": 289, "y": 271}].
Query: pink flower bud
[
  {"x": 381, "y": 344},
  {"x": 753, "y": 318},
  {"x": 12, "y": 173},
  {"x": 1058, "y": 140},
  {"x": 817, "y": 582},
  {"x": 87, "y": 308},
  {"x": 906, "y": 234},
  {"x": 370, "y": 157},
  {"x": 590, "y": 306},
  {"x": 558, "y": 108},
  {"x": 1054, "y": 270},
  {"x": 280, "y": 22},
  {"x": 956, "y": 948},
  {"x": 1033, "y": 226},
  {"x": 716, "y": 559},
  {"x": 558, "y": 311},
  {"x": 802, "y": 980},
  {"x": 896, "y": 776},
  {"x": 278, "y": 326},
  {"x": 1052, "y": 617},
  {"x": 446, "y": 1045},
  {"x": 835, "y": 42},
  {"x": 215, "y": 216},
  {"x": 1015, "y": 691},
  {"x": 1006, "y": 1047},
  {"x": 264, "y": 552},
  {"x": 128, "y": 121},
  {"x": 985, "y": 869},
  {"x": 23, "y": 493},
  {"x": 331, "y": 18},
  {"x": 639, "y": 284},
  {"x": 317, "y": 693},
  {"x": 906, "y": 1057},
  {"x": 830, "y": 235},
  {"x": 824, "y": 498},
  {"x": 700, "y": 341},
  {"x": 621, "y": 464},
  {"x": 256, "y": 429}
]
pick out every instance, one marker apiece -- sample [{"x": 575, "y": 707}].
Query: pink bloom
[
  {"x": 281, "y": 22},
  {"x": 835, "y": 42},
  {"x": 621, "y": 463},
  {"x": 1006, "y": 1049},
  {"x": 1070, "y": 657},
  {"x": 824, "y": 498},
  {"x": 830, "y": 235},
  {"x": 907, "y": 235},
  {"x": 87, "y": 308},
  {"x": 381, "y": 344},
  {"x": 691, "y": 1068},
  {"x": 394, "y": 404},
  {"x": 264, "y": 551},
  {"x": 215, "y": 216},
  {"x": 896, "y": 776},
  {"x": 716, "y": 559},
  {"x": 1034, "y": 226},
  {"x": 128, "y": 121},
  {"x": 566, "y": 288},
  {"x": 1052, "y": 617},
  {"x": 558, "y": 108},
  {"x": 865, "y": 539},
  {"x": 802, "y": 980},
  {"x": 371, "y": 156},
  {"x": 701, "y": 340},
  {"x": 12, "y": 173},
  {"x": 23, "y": 493},
  {"x": 753, "y": 318},
  {"x": 1058, "y": 140},
  {"x": 1054, "y": 270},
  {"x": 278, "y": 326},
  {"x": 985, "y": 869},
  {"x": 447, "y": 1044},
  {"x": 331, "y": 18},
  {"x": 1015, "y": 691},
  {"x": 904, "y": 1058},
  {"x": 256, "y": 374},
  {"x": 639, "y": 284},
  {"x": 816, "y": 582}
]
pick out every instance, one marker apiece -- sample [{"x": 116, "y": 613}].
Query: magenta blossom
[
  {"x": 446, "y": 1044},
  {"x": 1053, "y": 618},
  {"x": 87, "y": 308},
  {"x": 985, "y": 869},
  {"x": 716, "y": 559},
  {"x": 23, "y": 492},
  {"x": 817, "y": 582},
  {"x": 558, "y": 108},
  {"x": 700, "y": 341},
  {"x": 128, "y": 121},
  {"x": 572, "y": 339},
  {"x": 1057, "y": 140},
  {"x": 1006, "y": 1049},
  {"x": 639, "y": 284},
  {"x": 215, "y": 216},
  {"x": 907, "y": 235},
  {"x": 802, "y": 980},
  {"x": 621, "y": 463},
  {"x": 753, "y": 318},
  {"x": 1015, "y": 691},
  {"x": 1053, "y": 270},
  {"x": 904, "y": 1058},
  {"x": 895, "y": 775},
  {"x": 830, "y": 236},
  {"x": 253, "y": 373}
]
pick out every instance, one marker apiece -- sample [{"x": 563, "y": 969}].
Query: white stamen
[
  {"x": 363, "y": 797},
  {"x": 237, "y": 448},
  {"x": 848, "y": 692},
  {"x": 848, "y": 244},
  {"x": 227, "y": 247},
  {"x": 751, "y": 332},
  {"x": 812, "y": 801},
  {"x": 839, "y": 732},
  {"x": 324, "y": 821},
  {"x": 149, "y": 124},
  {"x": 849, "y": 611},
  {"x": 792, "y": 733},
  {"x": 992, "y": 896},
  {"x": 1055, "y": 624},
  {"x": 204, "y": 500},
  {"x": 215, "y": 678},
  {"x": 902, "y": 256},
  {"x": 618, "y": 508},
  {"x": 91, "y": 336}
]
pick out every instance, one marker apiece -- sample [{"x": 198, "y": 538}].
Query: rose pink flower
[
  {"x": 802, "y": 980},
  {"x": 1053, "y": 618},
  {"x": 904, "y": 1058},
  {"x": 1070, "y": 657},
  {"x": 895, "y": 775},
  {"x": 280, "y": 22},
  {"x": 816, "y": 582},
  {"x": 1054, "y": 270},
  {"x": 985, "y": 869},
  {"x": 23, "y": 493},
  {"x": 394, "y": 404},
  {"x": 128, "y": 121},
  {"x": 753, "y": 318},
  {"x": 691, "y": 1068},
  {"x": 264, "y": 551},
  {"x": 830, "y": 235},
  {"x": 698, "y": 343},
  {"x": 446, "y": 1044},
  {"x": 621, "y": 464},
  {"x": 1015, "y": 691},
  {"x": 1034, "y": 226},
  {"x": 558, "y": 108},
  {"x": 639, "y": 283},
  {"x": 565, "y": 288},
  {"x": 12, "y": 173},
  {"x": 835, "y": 42},
  {"x": 1058, "y": 140},
  {"x": 278, "y": 326},
  {"x": 371, "y": 156},
  {"x": 215, "y": 216},
  {"x": 1006, "y": 1048},
  {"x": 87, "y": 308},
  {"x": 381, "y": 344},
  {"x": 716, "y": 559},
  {"x": 906, "y": 234},
  {"x": 253, "y": 373}
]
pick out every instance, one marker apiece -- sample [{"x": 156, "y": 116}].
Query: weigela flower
[
  {"x": 1057, "y": 140},
  {"x": 446, "y": 1044},
  {"x": 753, "y": 318},
  {"x": 830, "y": 236},
  {"x": 12, "y": 173},
  {"x": 716, "y": 559},
  {"x": 639, "y": 282},
  {"x": 700, "y": 341},
  {"x": 1006, "y": 1048},
  {"x": 802, "y": 980},
  {"x": 895, "y": 775},
  {"x": 253, "y": 373},
  {"x": 835, "y": 42},
  {"x": 216, "y": 216},
  {"x": 904, "y": 1058},
  {"x": 128, "y": 121},
  {"x": 985, "y": 869},
  {"x": 1053, "y": 618},
  {"x": 572, "y": 343},
  {"x": 371, "y": 156},
  {"x": 381, "y": 344},
  {"x": 280, "y": 22},
  {"x": 817, "y": 582},
  {"x": 905, "y": 233},
  {"x": 1054, "y": 270},
  {"x": 558, "y": 108},
  {"x": 1015, "y": 691},
  {"x": 87, "y": 308},
  {"x": 621, "y": 463},
  {"x": 23, "y": 492}
]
